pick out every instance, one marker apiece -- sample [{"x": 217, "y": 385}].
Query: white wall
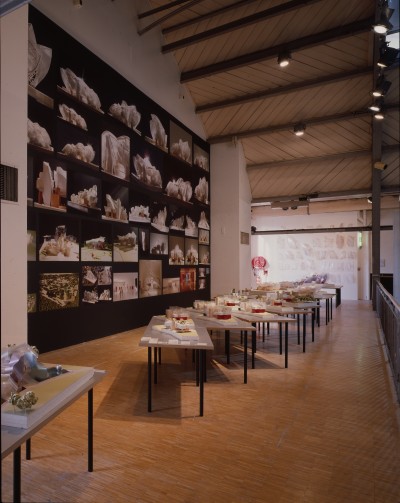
[
  {"x": 13, "y": 110},
  {"x": 230, "y": 215},
  {"x": 293, "y": 256}
]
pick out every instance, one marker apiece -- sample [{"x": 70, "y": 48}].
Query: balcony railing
[{"x": 389, "y": 314}]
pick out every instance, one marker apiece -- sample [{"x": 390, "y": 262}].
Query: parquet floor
[{"x": 325, "y": 430}]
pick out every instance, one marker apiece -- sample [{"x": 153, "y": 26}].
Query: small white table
[
  {"x": 156, "y": 339},
  {"x": 12, "y": 438}
]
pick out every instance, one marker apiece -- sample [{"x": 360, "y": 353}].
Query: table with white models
[
  {"x": 12, "y": 438},
  {"x": 155, "y": 339}
]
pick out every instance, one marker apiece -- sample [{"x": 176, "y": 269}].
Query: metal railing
[{"x": 388, "y": 311}]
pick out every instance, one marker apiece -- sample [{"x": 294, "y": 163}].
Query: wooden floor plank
[{"x": 325, "y": 430}]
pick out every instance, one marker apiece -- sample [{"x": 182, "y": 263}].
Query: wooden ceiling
[{"x": 227, "y": 54}]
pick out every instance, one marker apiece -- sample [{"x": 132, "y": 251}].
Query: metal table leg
[
  {"x": 17, "y": 475},
  {"x": 149, "y": 379},
  {"x": 90, "y": 430}
]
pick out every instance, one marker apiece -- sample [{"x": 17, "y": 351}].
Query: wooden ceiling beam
[
  {"x": 322, "y": 158},
  {"x": 278, "y": 91},
  {"x": 204, "y": 17},
  {"x": 161, "y": 8},
  {"x": 167, "y": 16},
  {"x": 237, "y": 135},
  {"x": 308, "y": 41},
  {"x": 257, "y": 17}
]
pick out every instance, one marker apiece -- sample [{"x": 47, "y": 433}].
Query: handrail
[{"x": 388, "y": 310}]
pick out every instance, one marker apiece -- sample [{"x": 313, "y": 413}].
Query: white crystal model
[
  {"x": 158, "y": 132},
  {"x": 160, "y": 219},
  {"x": 145, "y": 172},
  {"x": 71, "y": 116},
  {"x": 115, "y": 154},
  {"x": 177, "y": 223},
  {"x": 139, "y": 214},
  {"x": 127, "y": 114},
  {"x": 191, "y": 227},
  {"x": 201, "y": 190},
  {"x": 114, "y": 209},
  {"x": 86, "y": 197},
  {"x": 37, "y": 135},
  {"x": 39, "y": 59},
  {"x": 203, "y": 222},
  {"x": 181, "y": 149},
  {"x": 179, "y": 189},
  {"x": 51, "y": 187},
  {"x": 80, "y": 151},
  {"x": 201, "y": 161},
  {"x": 78, "y": 88}
]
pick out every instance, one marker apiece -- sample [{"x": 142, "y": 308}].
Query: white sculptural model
[
  {"x": 145, "y": 172},
  {"x": 160, "y": 219},
  {"x": 39, "y": 59},
  {"x": 177, "y": 224},
  {"x": 71, "y": 116},
  {"x": 201, "y": 190},
  {"x": 79, "y": 151},
  {"x": 37, "y": 135},
  {"x": 86, "y": 197},
  {"x": 114, "y": 209},
  {"x": 179, "y": 189},
  {"x": 115, "y": 154},
  {"x": 51, "y": 186},
  {"x": 78, "y": 88},
  {"x": 127, "y": 114},
  {"x": 201, "y": 161},
  {"x": 203, "y": 222},
  {"x": 158, "y": 132},
  {"x": 139, "y": 214},
  {"x": 182, "y": 150},
  {"x": 191, "y": 227}
]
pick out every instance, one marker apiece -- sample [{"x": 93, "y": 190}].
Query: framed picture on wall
[
  {"x": 150, "y": 278},
  {"x": 176, "y": 250},
  {"x": 187, "y": 279},
  {"x": 191, "y": 252},
  {"x": 158, "y": 244},
  {"x": 201, "y": 159},
  {"x": 125, "y": 244},
  {"x": 171, "y": 285},
  {"x": 58, "y": 238},
  {"x": 58, "y": 291},
  {"x": 96, "y": 241},
  {"x": 125, "y": 286}
]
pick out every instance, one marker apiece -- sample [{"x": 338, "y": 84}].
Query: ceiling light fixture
[
  {"x": 382, "y": 87},
  {"x": 284, "y": 58},
  {"x": 388, "y": 56},
  {"x": 379, "y": 115},
  {"x": 376, "y": 106},
  {"x": 382, "y": 26},
  {"x": 299, "y": 129}
]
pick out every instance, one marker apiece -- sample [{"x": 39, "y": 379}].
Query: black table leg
[
  {"x": 201, "y": 367},
  {"x": 227, "y": 346},
  {"x": 304, "y": 331},
  {"x": 155, "y": 366},
  {"x": 149, "y": 379},
  {"x": 197, "y": 365},
  {"x": 28, "y": 449},
  {"x": 286, "y": 343},
  {"x": 90, "y": 430},
  {"x": 245, "y": 358},
  {"x": 313, "y": 323},
  {"x": 253, "y": 349},
  {"x": 280, "y": 338},
  {"x": 298, "y": 329},
  {"x": 17, "y": 475}
]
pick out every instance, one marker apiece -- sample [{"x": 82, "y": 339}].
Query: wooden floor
[{"x": 325, "y": 430}]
